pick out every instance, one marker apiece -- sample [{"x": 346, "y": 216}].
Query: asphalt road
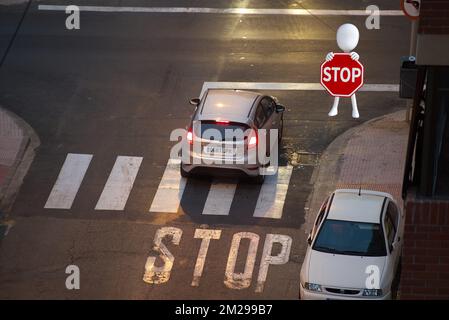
[{"x": 118, "y": 87}]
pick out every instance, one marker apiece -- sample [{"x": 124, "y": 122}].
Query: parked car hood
[{"x": 336, "y": 270}]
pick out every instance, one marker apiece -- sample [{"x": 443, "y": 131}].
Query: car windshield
[
  {"x": 351, "y": 238},
  {"x": 226, "y": 131}
]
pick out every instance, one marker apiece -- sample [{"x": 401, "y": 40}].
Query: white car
[{"x": 354, "y": 247}]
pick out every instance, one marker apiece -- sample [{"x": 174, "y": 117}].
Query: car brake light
[
  {"x": 222, "y": 122},
  {"x": 190, "y": 136},
  {"x": 252, "y": 141}
]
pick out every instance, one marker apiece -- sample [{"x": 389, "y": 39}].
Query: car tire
[
  {"x": 184, "y": 173},
  {"x": 395, "y": 283}
]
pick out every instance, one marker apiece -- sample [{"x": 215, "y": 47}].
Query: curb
[{"x": 19, "y": 169}]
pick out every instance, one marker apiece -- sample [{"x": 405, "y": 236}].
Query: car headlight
[
  {"x": 372, "y": 292},
  {"x": 312, "y": 287}
]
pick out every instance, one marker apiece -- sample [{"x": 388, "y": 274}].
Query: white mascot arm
[
  {"x": 329, "y": 56},
  {"x": 355, "y": 56}
]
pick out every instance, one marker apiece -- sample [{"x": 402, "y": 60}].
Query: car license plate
[{"x": 219, "y": 150}]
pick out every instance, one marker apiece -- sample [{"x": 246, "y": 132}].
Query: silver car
[{"x": 258, "y": 117}]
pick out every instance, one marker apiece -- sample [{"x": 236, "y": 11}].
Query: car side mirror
[
  {"x": 195, "y": 101},
  {"x": 280, "y": 108}
]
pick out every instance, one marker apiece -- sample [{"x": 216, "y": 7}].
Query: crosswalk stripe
[
  {"x": 270, "y": 203},
  {"x": 170, "y": 190},
  {"x": 119, "y": 184},
  {"x": 219, "y": 199},
  {"x": 68, "y": 181}
]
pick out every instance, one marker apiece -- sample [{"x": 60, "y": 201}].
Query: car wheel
[
  {"x": 184, "y": 173},
  {"x": 396, "y": 280}
]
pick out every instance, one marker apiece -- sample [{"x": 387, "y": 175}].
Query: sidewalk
[
  {"x": 17, "y": 144},
  {"x": 370, "y": 156}
]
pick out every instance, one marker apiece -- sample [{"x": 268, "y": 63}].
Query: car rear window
[{"x": 227, "y": 131}]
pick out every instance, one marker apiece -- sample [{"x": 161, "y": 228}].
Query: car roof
[
  {"x": 231, "y": 105},
  {"x": 348, "y": 205}
]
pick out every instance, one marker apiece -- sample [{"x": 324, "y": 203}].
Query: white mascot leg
[
  {"x": 355, "y": 111},
  {"x": 334, "y": 110}
]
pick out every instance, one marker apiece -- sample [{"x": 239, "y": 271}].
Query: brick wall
[
  {"x": 425, "y": 256},
  {"x": 434, "y": 17}
]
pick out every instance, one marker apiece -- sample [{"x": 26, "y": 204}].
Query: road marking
[
  {"x": 219, "y": 199},
  {"x": 119, "y": 184},
  {"x": 68, "y": 181},
  {"x": 241, "y": 280},
  {"x": 290, "y": 86},
  {"x": 270, "y": 203},
  {"x": 170, "y": 190},
  {"x": 239, "y": 11},
  {"x": 206, "y": 235},
  {"x": 267, "y": 259},
  {"x": 161, "y": 274}
]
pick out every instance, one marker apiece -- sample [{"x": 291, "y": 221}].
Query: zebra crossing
[
  {"x": 69, "y": 181},
  {"x": 167, "y": 199},
  {"x": 170, "y": 190}
]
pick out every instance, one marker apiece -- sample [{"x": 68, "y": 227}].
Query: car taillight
[
  {"x": 222, "y": 122},
  {"x": 252, "y": 139},
  {"x": 190, "y": 136}
]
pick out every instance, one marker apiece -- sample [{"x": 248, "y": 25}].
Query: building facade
[{"x": 425, "y": 257}]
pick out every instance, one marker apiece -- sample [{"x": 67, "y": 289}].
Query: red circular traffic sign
[
  {"x": 411, "y": 8},
  {"x": 342, "y": 76}
]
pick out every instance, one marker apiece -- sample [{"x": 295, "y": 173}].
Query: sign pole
[{"x": 413, "y": 40}]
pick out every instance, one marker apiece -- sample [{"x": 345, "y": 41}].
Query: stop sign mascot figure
[{"x": 347, "y": 40}]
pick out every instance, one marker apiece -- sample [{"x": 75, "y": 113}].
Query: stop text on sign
[{"x": 342, "y": 76}]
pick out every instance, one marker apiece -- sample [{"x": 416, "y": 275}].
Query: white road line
[
  {"x": 270, "y": 203},
  {"x": 240, "y": 11},
  {"x": 241, "y": 280},
  {"x": 219, "y": 199},
  {"x": 170, "y": 190},
  {"x": 119, "y": 184},
  {"x": 290, "y": 86},
  {"x": 68, "y": 182}
]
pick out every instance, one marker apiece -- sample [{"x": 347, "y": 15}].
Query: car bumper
[
  {"x": 231, "y": 170},
  {"x": 311, "y": 295}
]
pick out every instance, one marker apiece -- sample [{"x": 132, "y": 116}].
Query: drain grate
[{"x": 304, "y": 159}]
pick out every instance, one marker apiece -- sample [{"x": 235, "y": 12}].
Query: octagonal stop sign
[{"x": 342, "y": 76}]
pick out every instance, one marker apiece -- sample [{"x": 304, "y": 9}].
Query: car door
[
  {"x": 268, "y": 106},
  {"x": 390, "y": 232},
  {"x": 261, "y": 122},
  {"x": 394, "y": 215}
]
